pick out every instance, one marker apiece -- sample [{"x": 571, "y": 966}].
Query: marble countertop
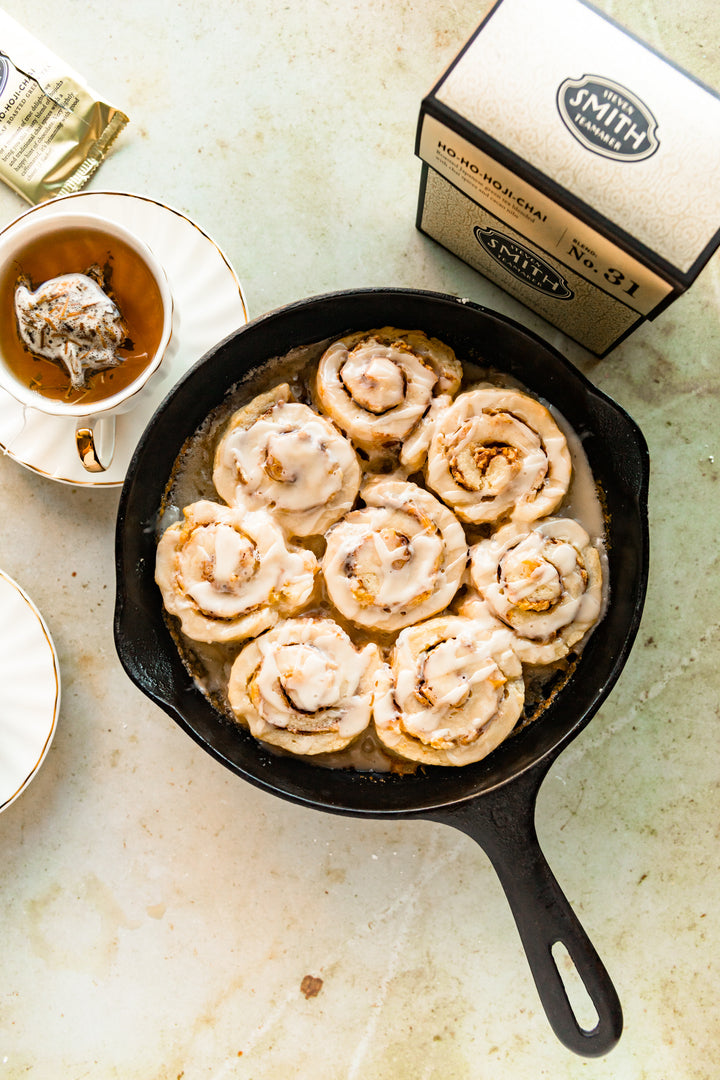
[{"x": 159, "y": 915}]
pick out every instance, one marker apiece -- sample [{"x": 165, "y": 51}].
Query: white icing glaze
[
  {"x": 378, "y": 386},
  {"x": 289, "y": 460},
  {"x": 396, "y": 561},
  {"x": 304, "y": 686},
  {"x": 228, "y": 575},
  {"x": 498, "y": 454},
  {"x": 415, "y": 447},
  {"x": 581, "y": 501},
  {"x": 452, "y": 691},
  {"x": 310, "y": 678},
  {"x": 543, "y": 581},
  {"x": 374, "y": 379}
]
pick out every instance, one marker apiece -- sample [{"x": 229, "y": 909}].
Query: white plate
[
  {"x": 208, "y": 305},
  {"x": 29, "y": 690}
]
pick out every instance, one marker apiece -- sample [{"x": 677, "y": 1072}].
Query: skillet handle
[{"x": 503, "y": 823}]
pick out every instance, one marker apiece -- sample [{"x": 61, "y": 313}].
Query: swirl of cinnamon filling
[
  {"x": 379, "y": 385},
  {"x": 280, "y": 455},
  {"x": 497, "y": 454},
  {"x": 228, "y": 574},
  {"x": 304, "y": 686},
  {"x": 452, "y": 692},
  {"x": 545, "y": 582},
  {"x": 396, "y": 560}
]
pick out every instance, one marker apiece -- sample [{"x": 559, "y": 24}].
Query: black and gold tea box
[{"x": 572, "y": 165}]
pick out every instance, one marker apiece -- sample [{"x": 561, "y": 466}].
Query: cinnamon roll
[
  {"x": 498, "y": 454},
  {"x": 280, "y": 455},
  {"x": 379, "y": 385},
  {"x": 544, "y": 581},
  {"x": 228, "y": 574},
  {"x": 395, "y": 561},
  {"x": 453, "y": 690},
  {"x": 304, "y": 686}
]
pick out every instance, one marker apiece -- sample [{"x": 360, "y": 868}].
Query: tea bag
[{"x": 70, "y": 320}]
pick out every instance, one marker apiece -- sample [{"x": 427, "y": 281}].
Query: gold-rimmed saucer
[
  {"x": 29, "y": 690},
  {"x": 208, "y": 304}
]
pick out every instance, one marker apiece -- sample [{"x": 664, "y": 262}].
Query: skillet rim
[{"x": 340, "y": 791}]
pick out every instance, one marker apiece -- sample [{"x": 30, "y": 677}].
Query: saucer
[
  {"x": 208, "y": 304},
  {"x": 29, "y": 690}
]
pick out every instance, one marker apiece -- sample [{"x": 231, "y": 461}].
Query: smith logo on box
[
  {"x": 523, "y": 263},
  {"x": 579, "y": 206},
  {"x": 607, "y": 118}
]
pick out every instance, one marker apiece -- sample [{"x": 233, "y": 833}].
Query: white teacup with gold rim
[{"x": 85, "y": 320}]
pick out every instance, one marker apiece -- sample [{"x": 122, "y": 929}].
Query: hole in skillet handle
[
  {"x": 576, "y": 991},
  {"x": 503, "y": 785}
]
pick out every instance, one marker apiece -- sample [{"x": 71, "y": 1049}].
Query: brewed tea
[{"x": 127, "y": 280}]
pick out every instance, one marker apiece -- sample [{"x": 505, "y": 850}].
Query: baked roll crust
[
  {"x": 378, "y": 387},
  {"x": 543, "y": 581},
  {"x": 395, "y": 561},
  {"x": 279, "y": 455},
  {"x": 498, "y": 454},
  {"x": 228, "y": 575},
  {"x": 453, "y": 690},
  {"x": 304, "y": 686}
]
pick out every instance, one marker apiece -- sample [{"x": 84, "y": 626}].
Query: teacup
[{"x": 36, "y": 251}]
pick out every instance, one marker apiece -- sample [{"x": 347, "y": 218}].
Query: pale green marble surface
[{"x": 158, "y": 914}]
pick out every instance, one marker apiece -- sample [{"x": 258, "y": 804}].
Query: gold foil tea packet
[{"x": 54, "y": 132}]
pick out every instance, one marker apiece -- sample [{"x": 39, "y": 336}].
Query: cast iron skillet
[{"x": 492, "y": 801}]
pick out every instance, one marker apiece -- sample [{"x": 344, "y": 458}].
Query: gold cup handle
[{"x": 95, "y": 442}]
